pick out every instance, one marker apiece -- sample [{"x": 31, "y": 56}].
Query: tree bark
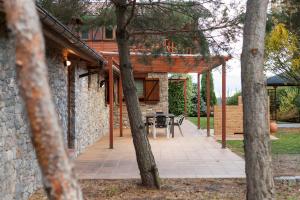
[
  {"x": 58, "y": 177},
  {"x": 260, "y": 184},
  {"x": 145, "y": 159}
]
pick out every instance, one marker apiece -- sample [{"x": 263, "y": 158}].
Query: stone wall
[
  {"x": 19, "y": 171},
  {"x": 91, "y": 112},
  {"x": 58, "y": 81},
  {"x": 162, "y": 105}
]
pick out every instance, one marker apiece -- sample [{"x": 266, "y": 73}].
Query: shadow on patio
[{"x": 191, "y": 156}]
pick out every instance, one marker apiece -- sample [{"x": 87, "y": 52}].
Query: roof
[
  {"x": 55, "y": 30},
  {"x": 281, "y": 80}
]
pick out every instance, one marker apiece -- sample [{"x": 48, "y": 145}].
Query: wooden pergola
[{"x": 177, "y": 64}]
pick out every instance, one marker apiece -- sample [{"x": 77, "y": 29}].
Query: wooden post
[
  {"x": 198, "y": 101},
  {"x": 224, "y": 105},
  {"x": 185, "y": 101},
  {"x": 275, "y": 103},
  {"x": 208, "y": 102},
  {"x": 111, "y": 106},
  {"x": 121, "y": 106}
]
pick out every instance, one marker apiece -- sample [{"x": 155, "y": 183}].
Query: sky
[{"x": 233, "y": 76}]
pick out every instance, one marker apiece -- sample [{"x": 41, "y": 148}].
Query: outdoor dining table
[{"x": 171, "y": 116}]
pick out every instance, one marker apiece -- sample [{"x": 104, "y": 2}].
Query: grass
[
  {"x": 203, "y": 121},
  {"x": 288, "y": 143}
]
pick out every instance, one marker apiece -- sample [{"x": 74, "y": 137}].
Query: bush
[
  {"x": 233, "y": 100},
  {"x": 176, "y": 95},
  {"x": 289, "y": 103}
]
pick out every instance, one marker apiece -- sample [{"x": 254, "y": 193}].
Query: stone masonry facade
[
  {"x": 91, "y": 112},
  {"x": 162, "y": 105},
  {"x": 19, "y": 171}
]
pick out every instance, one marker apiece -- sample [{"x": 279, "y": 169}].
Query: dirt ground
[
  {"x": 286, "y": 165},
  {"x": 185, "y": 189}
]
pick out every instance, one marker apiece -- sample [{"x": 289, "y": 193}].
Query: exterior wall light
[
  {"x": 102, "y": 83},
  {"x": 67, "y": 63}
]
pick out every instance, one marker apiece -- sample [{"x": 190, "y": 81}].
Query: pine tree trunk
[
  {"x": 260, "y": 184},
  {"x": 145, "y": 159},
  {"x": 58, "y": 178}
]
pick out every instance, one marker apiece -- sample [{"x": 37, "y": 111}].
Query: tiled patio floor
[{"x": 191, "y": 156}]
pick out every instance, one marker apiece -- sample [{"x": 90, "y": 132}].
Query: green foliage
[
  {"x": 176, "y": 95},
  {"x": 233, "y": 100},
  {"x": 188, "y": 24},
  {"x": 283, "y": 40},
  {"x": 288, "y": 105},
  {"x": 282, "y": 51},
  {"x": 213, "y": 99},
  {"x": 288, "y": 98},
  {"x": 65, "y": 10}
]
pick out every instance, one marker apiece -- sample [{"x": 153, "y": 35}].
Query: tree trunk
[
  {"x": 145, "y": 159},
  {"x": 260, "y": 184},
  {"x": 58, "y": 178}
]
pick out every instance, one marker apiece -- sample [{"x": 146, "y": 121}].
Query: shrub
[{"x": 233, "y": 100}]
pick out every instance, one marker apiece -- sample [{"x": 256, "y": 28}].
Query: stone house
[
  {"x": 76, "y": 91},
  {"x": 151, "y": 76},
  {"x": 85, "y": 82},
  {"x": 150, "y": 73}
]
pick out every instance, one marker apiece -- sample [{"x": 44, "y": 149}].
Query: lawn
[
  {"x": 203, "y": 121},
  {"x": 285, "y": 153},
  {"x": 288, "y": 143}
]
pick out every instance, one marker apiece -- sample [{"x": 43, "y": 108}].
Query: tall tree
[
  {"x": 146, "y": 23},
  {"x": 58, "y": 178},
  {"x": 213, "y": 98},
  {"x": 260, "y": 184}
]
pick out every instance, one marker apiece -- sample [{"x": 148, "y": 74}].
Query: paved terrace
[{"x": 191, "y": 156}]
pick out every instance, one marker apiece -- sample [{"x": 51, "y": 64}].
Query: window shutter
[{"x": 151, "y": 90}]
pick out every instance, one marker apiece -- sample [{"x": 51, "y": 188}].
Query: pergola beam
[{"x": 178, "y": 64}]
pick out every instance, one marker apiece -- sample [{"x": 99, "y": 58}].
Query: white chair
[{"x": 161, "y": 122}]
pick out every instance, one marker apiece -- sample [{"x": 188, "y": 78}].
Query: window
[
  {"x": 85, "y": 34},
  {"x": 152, "y": 94},
  {"x": 109, "y": 33},
  {"x": 139, "y": 84}
]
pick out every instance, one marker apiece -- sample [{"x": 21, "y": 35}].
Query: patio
[{"x": 193, "y": 156}]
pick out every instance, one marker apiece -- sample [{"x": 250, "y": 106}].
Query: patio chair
[
  {"x": 161, "y": 122},
  {"x": 178, "y": 122}
]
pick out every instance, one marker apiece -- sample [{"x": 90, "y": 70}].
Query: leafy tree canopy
[
  {"x": 283, "y": 40},
  {"x": 191, "y": 25}
]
